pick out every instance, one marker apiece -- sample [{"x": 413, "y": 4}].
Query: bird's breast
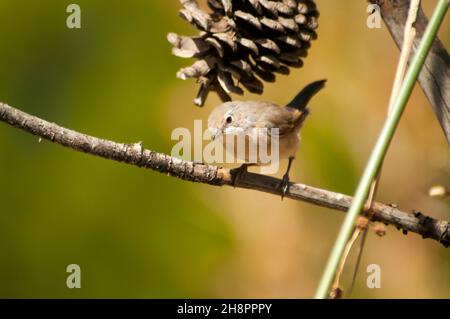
[{"x": 259, "y": 147}]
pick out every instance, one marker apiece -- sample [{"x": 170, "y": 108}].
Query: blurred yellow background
[{"x": 140, "y": 234}]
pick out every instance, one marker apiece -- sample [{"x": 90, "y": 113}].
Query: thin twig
[
  {"x": 358, "y": 260},
  {"x": 347, "y": 250},
  {"x": 135, "y": 154},
  {"x": 408, "y": 41}
]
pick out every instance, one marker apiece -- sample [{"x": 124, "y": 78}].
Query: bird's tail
[{"x": 300, "y": 102}]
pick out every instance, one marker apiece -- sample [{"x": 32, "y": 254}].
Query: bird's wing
[{"x": 284, "y": 118}]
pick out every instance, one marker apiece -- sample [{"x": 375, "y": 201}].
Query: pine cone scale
[{"x": 242, "y": 42}]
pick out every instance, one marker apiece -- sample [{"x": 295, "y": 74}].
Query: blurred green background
[{"x": 140, "y": 234}]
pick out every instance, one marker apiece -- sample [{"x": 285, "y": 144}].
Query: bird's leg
[
  {"x": 284, "y": 185},
  {"x": 237, "y": 173}
]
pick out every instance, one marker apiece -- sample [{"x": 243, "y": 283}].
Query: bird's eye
[{"x": 229, "y": 119}]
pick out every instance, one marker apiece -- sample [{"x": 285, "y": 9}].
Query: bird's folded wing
[{"x": 286, "y": 120}]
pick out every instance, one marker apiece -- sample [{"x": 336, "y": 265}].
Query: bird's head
[{"x": 225, "y": 119}]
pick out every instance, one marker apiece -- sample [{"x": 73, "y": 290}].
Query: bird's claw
[{"x": 284, "y": 186}]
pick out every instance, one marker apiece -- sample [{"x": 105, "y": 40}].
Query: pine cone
[{"x": 244, "y": 42}]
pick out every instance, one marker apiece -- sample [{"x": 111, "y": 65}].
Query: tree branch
[
  {"x": 135, "y": 154},
  {"x": 435, "y": 76}
]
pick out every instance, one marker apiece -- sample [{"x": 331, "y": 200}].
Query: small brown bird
[{"x": 231, "y": 118}]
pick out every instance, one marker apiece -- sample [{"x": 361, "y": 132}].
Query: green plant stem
[{"x": 380, "y": 149}]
